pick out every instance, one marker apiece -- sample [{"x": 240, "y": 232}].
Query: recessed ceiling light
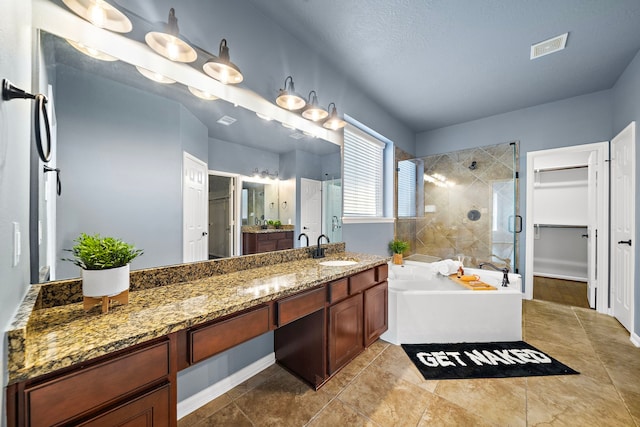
[
  {"x": 264, "y": 117},
  {"x": 226, "y": 120},
  {"x": 546, "y": 47}
]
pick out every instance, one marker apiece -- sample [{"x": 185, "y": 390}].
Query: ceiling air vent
[
  {"x": 549, "y": 46},
  {"x": 296, "y": 135},
  {"x": 226, "y": 120}
]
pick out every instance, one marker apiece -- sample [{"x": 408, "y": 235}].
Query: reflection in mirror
[
  {"x": 259, "y": 202},
  {"x": 120, "y": 139}
]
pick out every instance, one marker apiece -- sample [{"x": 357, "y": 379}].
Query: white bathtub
[{"x": 430, "y": 308}]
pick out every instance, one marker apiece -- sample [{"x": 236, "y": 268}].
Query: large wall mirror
[{"x": 119, "y": 144}]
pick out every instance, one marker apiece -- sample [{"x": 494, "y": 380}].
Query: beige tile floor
[
  {"x": 561, "y": 291},
  {"x": 381, "y": 387}
]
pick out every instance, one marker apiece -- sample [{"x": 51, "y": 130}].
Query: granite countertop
[
  {"x": 265, "y": 230},
  {"x": 258, "y": 229},
  {"x": 60, "y": 336}
]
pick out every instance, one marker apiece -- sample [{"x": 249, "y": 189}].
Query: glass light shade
[
  {"x": 89, "y": 51},
  {"x": 101, "y": 14},
  {"x": 170, "y": 47},
  {"x": 156, "y": 77},
  {"x": 168, "y": 44},
  {"x": 334, "y": 122},
  {"x": 221, "y": 68},
  {"x": 288, "y": 98},
  {"x": 202, "y": 94},
  {"x": 313, "y": 111},
  {"x": 224, "y": 73}
]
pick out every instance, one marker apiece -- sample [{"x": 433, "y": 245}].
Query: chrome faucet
[
  {"x": 505, "y": 272},
  {"x": 319, "y": 252},
  {"x": 305, "y": 236}
]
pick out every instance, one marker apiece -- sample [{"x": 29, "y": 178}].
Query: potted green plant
[
  {"x": 277, "y": 223},
  {"x": 397, "y": 248},
  {"x": 104, "y": 262}
]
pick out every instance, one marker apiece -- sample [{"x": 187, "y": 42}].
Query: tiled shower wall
[{"x": 444, "y": 226}]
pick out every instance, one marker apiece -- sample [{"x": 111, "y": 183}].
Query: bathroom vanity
[
  {"x": 69, "y": 367},
  {"x": 255, "y": 241}
]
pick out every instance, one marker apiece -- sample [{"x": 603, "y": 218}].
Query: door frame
[
  {"x": 236, "y": 199},
  {"x": 602, "y": 204},
  {"x": 234, "y": 214}
]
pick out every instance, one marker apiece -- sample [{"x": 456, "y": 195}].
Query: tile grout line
[
  {"x": 342, "y": 390},
  {"x": 606, "y": 369}
]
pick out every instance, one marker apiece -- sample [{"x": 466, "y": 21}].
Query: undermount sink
[{"x": 338, "y": 263}]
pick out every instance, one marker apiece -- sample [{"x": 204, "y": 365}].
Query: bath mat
[{"x": 483, "y": 360}]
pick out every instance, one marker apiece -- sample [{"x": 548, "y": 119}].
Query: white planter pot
[{"x": 100, "y": 283}]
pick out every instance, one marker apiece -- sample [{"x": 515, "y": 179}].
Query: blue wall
[
  {"x": 626, "y": 108},
  {"x": 131, "y": 186},
  {"x": 15, "y": 146}
]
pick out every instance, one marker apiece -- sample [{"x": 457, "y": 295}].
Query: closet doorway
[
  {"x": 567, "y": 236},
  {"x": 223, "y": 241}
]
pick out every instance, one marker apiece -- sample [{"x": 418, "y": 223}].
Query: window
[
  {"x": 363, "y": 161},
  {"x": 406, "y": 188}
]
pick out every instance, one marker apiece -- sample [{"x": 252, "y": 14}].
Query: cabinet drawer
[
  {"x": 297, "y": 306},
  {"x": 285, "y": 244},
  {"x": 338, "y": 290},
  {"x": 151, "y": 409},
  {"x": 79, "y": 392},
  {"x": 207, "y": 341},
  {"x": 267, "y": 246},
  {"x": 361, "y": 281},
  {"x": 382, "y": 272}
]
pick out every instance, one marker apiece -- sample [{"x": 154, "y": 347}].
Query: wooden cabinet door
[
  {"x": 345, "y": 332},
  {"x": 375, "y": 312},
  {"x": 149, "y": 410}
]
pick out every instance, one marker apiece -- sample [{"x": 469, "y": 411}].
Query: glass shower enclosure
[{"x": 465, "y": 205}]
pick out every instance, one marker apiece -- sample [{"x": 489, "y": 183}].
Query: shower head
[{"x": 473, "y": 165}]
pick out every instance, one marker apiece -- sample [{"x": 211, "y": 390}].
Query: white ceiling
[{"x": 434, "y": 63}]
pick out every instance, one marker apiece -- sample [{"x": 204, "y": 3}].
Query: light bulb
[
  {"x": 173, "y": 51},
  {"x": 97, "y": 14},
  {"x": 224, "y": 75}
]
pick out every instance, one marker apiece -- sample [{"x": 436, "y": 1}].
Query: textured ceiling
[{"x": 434, "y": 63}]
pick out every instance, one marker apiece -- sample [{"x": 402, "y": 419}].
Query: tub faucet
[
  {"x": 505, "y": 272},
  {"x": 319, "y": 252},
  {"x": 305, "y": 236}
]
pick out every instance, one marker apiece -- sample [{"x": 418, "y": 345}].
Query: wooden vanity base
[{"x": 90, "y": 302}]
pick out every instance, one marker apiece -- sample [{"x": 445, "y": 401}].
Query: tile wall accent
[{"x": 444, "y": 227}]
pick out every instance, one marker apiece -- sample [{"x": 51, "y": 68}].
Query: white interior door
[
  {"x": 194, "y": 209},
  {"x": 623, "y": 225},
  {"x": 592, "y": 229},
  {"x": 311, "y": 209}
]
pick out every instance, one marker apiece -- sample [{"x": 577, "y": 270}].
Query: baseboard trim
[
  {"x": 190, "y": 404},
  {"x": 635, "y": 339}
]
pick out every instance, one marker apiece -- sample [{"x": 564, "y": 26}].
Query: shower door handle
[
  {"x": 516, "y": 220},
  {"x": 625, "y": 242}
]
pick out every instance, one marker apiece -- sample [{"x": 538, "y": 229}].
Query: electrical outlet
[{"x": 16, "y": 244}]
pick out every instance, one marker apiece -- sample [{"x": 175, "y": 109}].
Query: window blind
[
  {"x": 406, "y": 189},
  {"x": 362, "y": 180}
]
